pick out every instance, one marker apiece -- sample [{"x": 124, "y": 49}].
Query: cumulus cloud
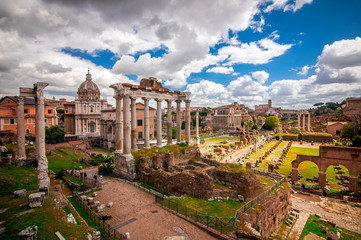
[
  {"x": 223, "y": 70},
  {"x": 260, "y": 52},
  {"x": 340, "y": 62},
  {"x": 260, "y": 76},
  {"x": 304, "y": 70}
]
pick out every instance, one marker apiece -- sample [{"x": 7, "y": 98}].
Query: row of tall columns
[
  {"x": 304, "y": 121},
  {"x": 125, "y": 137}
]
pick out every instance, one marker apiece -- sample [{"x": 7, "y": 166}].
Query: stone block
[
  {"x": 240, "y": 198},
  {"x": 110, "y": 204},
  {"x": 83, "y": 198},
  {"x": 94, "y": 194},
  {"x": 29, "y": 233},
  {"x": 100, "y": 209},
  {"x": 97, "y": 203},
  {"x": 36, "y": 199},
  {"x": 20, "y": 193}
]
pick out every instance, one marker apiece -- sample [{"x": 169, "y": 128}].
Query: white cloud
[
  {"x": 260, "y": 76},
  {"x": 340, "y": 62},
  {"x": 286, "y": 5},
  {"x": 223, "y": 70},
  {"x": 260, "y": 52},
  {"x": 304, "y": 70}
]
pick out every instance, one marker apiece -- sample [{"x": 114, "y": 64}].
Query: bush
[
  {"x": 255, "y": 127},
  {"x": 54, "y": 134},
  {"x": 272, "y": 123},
  {"x": 106, "y": 168},
  {"x": 356, "y": 141}
]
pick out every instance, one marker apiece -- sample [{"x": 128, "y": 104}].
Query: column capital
[
  {"x": 187, "y": 101},
  {"x": 158, "y": 100},
  {"x": 169, "y": 101},
  {"x": 132, "y": 97},
  {"x": 146, "y": 99},
  {"x": 178, "y": 101},
  {"x": 20, "y": 100}
]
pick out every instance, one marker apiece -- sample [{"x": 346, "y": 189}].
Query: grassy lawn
[
  {"x": 49, "y": 218},
  {"x": 14, "y": 178},
  {"x": 224, "y": 208},
  {"x": 84, "y": 215},
  {"x": 219, "y": 140},
  {"x": 314, "y": 225},
  {"x": 73, "y": 179},
  {"x": 66, "y": 158}
]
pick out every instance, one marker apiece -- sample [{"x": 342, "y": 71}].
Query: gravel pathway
[{"x": 135, "y": 211}]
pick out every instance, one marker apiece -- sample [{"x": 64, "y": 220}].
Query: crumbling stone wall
[
  {"x": 192, "y": 182},
  {"x": 269, "y": 216},
  {"x": 247, "y": 185}
]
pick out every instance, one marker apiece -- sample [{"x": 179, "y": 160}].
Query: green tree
[
  {"x": 255, "y": 127},
  {"x": 174, "y": 133},
  {"x": 356, "y": 141},
  {"x": 271, "y": 122},
  {"x": 54, "y": 134}
]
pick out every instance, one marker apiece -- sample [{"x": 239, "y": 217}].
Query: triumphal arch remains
[
  {"x": 126, "y": 96},
  {"x": 349, "y": 157}
]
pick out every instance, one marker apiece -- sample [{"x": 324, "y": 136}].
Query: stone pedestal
[
  {"x": 36, "y": 199},
  {"x": 124, "y": 165}
]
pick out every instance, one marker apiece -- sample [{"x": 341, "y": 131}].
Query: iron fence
[
  {"x": 109, "y": 231},
  {"x": 225, "y": 226},
  {"x": 259, "y": 199}
]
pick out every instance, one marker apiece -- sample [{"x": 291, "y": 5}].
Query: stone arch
[
  {"x": 302, "y": 158},
  {"x": 338, "y": 171}
]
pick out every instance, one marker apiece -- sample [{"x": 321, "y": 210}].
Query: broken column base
[
  {"x": 44, "y": 182},
  {"x": 29, "y": 233},
  {"x": 124, "y": 166}
]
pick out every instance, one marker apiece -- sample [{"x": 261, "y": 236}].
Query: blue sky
[{"x": 295, "y": 52}]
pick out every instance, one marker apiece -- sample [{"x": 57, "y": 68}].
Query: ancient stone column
[
  {"x": 188, "y": 120},
  {"x": 169, "y": 122},
  {"x": 126, "y": 126},
  {"x": 303, "y": 122},
  {"x": 146, "y": 123},
  {"x": 133, "y": 110},
  {"x": 44, "y": 181},
  {"x": 309, "y": 123},
  {"x": 159, "y": 122},
  {"x": 21, "y": 130},
  {"x": 179, "y": 121},
  {"x": 197, "y": 128},
  {"x": 118, "y": 124},
  {"x": 299, "y": 122}
]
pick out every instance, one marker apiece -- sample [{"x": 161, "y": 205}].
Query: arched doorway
[
  {"x": 337, "y": 177},
  {"x": 309, "y": 172}
]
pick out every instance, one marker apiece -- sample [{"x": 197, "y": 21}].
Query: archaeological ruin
[{"x": 125, "y": 139}]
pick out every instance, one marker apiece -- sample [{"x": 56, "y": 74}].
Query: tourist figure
[
  {"x": 84, "y": 174},
  {"x": 303, "y": 187}
]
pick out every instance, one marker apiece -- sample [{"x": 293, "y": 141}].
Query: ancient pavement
[
  {"x": 342, "y": 215},
  {"x": 135, "y": 211}
]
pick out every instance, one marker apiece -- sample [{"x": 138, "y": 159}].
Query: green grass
[
  {"x": 314, "y": 225},
  {"x": 73, "y": 179},
  {"x": 224, "y": 208},
  {"x": 84, "y": 215},
  {"x": 232, "y": 167},
  {"x": 220, "y": 140},
  {"x": 14, "y": 178},
  {"x": 49, "y": 219},
  {"x": 65, "y": 158}
]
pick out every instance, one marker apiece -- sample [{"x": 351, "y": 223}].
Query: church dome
[{"x": 88, "y": 90}]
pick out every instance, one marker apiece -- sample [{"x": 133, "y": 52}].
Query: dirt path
[
  {"x": 331, "y": 210},
  {"x": 135, "y": 211}
]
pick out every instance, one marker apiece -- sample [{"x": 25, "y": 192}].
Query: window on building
[
  {"x": 91, "y": 108},
  {"x": 49, "y": 111},
  {"x": 140, "y": 122},
  {"x": 26, "y": 111},
  {"x": 27, "y": 131},
  {"x": 92, "y": 128},
  {"x": 12, "y": 121},
  {"x": 46, "y": 120},
  {"x": 140, "y": 135},
  {"x": 338, "y": 132}
]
